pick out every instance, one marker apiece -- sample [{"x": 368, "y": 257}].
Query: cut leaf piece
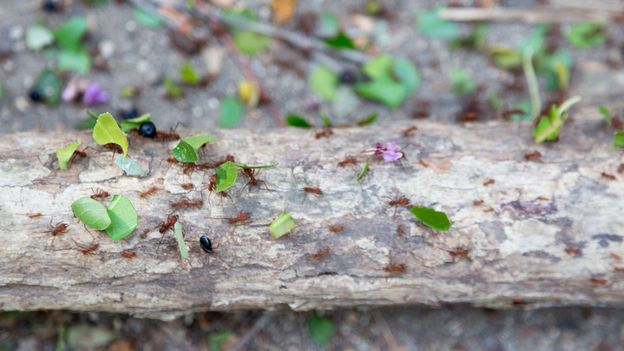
[
  {"x": 226, "y": 176},
  {"x": 461, "y": 83},
  {"x": 406, "y": 73},
  {"x": 282, "y": 225},
  {"x": 618, "y": 138},
  {"x": 38, "y": 37},
  {"x": 432, "y": 25},
  {"x": 432, "y": 218},
  {"x": 198, "y": 140},
  {"x": 75, "y": 60},
  {"x": 188, "y": 74},
  {"x": 48, "y": 85},
  {"x": 231, "y": 112},
  {"x": 362, "y": 172},
  {"x": 386, "y": 91},
  {"x": 368, "y": 120},
  {"x": 587, "y": 34},
  {"x": 604, "y": 111},
  {"x": 250, "y": 43},
  {"x": 133, "y": 123},
  {"x": 173, "y": 90},
  {"x": 340, "y": 41},
  {"x": 185, "y": 153},
  {"x": 68, "y": 35},
  {"x": 91, "y": 213},
  {"x": 297, "y": 121},
  {"x": 123, "y": 218},
  {"x": 129, "y": 166},
  {"x": 321, "y": 329},
  {"x": 65, "y": 154},
  {"x": 378, "y": 67},
  {"x": 323, "y": 82},
  {"x": 177, "y": 228},
  {"x": 106, "y": 131}
]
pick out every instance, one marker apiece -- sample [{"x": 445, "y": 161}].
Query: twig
[
  {"x": 386, "y": 332},
  {"x": 258, "y": 325},
  {"x": 531, "y": 15},
  {"x": 531, "y": 79}
]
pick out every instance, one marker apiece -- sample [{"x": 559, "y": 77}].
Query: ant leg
[{"x": 88, "y": 231}]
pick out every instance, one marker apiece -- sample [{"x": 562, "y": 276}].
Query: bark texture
[{"x": 546, "y": 231}]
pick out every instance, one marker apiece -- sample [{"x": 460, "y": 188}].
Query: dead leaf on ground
[{"x": 283, "y": 10}]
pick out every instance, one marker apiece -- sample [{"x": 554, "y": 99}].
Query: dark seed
[
  {"x": 147, "y": 129},
  {"x": 35, "y": 95},
  {"x": 347, "y": 77},
  {"x": 205, "y": 243},
  {"x": 129, "y": 114},
  {"x": 49, "y": 6}
]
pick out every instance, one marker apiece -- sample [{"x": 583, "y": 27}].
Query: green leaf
[
  {"x": 49, "y": 85},
  {"x": 618, "y": 138},
  {"x": 106, "y": 131},
  {"x": 378, "y": 67},
  {"x": 217, "y": 340},
  {"x": 75, "y": 60},
  {"x": 535, "y": 41},
  {"x": 188, "y": 74},
  {"x": 231, "y": 112},
  {"x": 461, "y": 83},
  {"x": 65, "y": 153},
  {"x": 147, "y": 19},
  {"x": 407, "y": 74},
  {"x": 226, "y": 176},
  {"x": 177, "y": 228},
  {"x": 388, "y": 92},
  {"x": 282, "y": 225},
  {"x": 505, "y": 57},
  {"x": 38, "y": 37},
  {"x": 558, "y": 66},
  {"x": 198, "y": 140},
  {"x": 586, "y": 34},
  {"x": 297, "y": 121},
  {"x": 91, "y": 213},
  {"x": 173, "y": 90},
  {"x": 185, "y": 153},
  {"x": 123, "y": 217},
  {"x": 606, "y": 114},
  {"x": 362, "y": 172},
  {"x": 133, "y": 123},
  {"x": 87, "y": 123},
  {"x": 327, "y": 25},
  {"x": 250, "y": 43},
  {"x": 475, "y": 40},
  {"x": 326, "y": 121},
  {"x": 340, "y": 41},
  {"x": 321, "y": 329},
  {"x": 432, "y": 25},
  {"x": 549, "y": 126},
  {"x": 129, "y": 166},
  {"x": 68, "y": 35},
  {"x": 368, "y": 120},
  {"x": 323, "y": 82},
  {"x": 432, "y": 218}
]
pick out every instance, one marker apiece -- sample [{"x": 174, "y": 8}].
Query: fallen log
[{"x": 532, "y": 225}]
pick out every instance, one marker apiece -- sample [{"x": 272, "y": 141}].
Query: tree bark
[{"x": 544, "y": 231}]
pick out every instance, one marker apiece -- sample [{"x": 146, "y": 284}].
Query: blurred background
[{"x": 249, "y": 64}]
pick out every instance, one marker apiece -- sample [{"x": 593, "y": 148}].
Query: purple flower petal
[{"x": 94, "y": 95}]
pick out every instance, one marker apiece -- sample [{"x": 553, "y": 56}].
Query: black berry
[
  {"x": 347, "y": 77},
  {"x": 129, "y": 114},
  {"x": 35, "y": 95},
  {"x": 147, "y": 129},
  {"x": 49, "y": 6},
  {"x": 205, "y": 243}
]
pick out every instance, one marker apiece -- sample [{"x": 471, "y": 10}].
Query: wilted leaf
[
  {"x": 177, "y": 228},
  {"x": 321, "y": 329},
  {"x": 432, "y": 25},
  {"x": 65, "y": 154},
  {"x": 69, "y": 34},
  {"x": 323, "y": 82},
  {"x": 226, "y": 176},
  {"x": 38, "y": 37},
  {"x": 91, "y": 213},
  {"x": 282, "y": 225},
  {"x": 586, "y": 34},
  {"x": 106, "y": 131},
  {"x": 231, "y": 112},
  {"x": 185, "y": 153},
  {"x": 129, "y": 166},
  {"x": 146, "y": 19},
  {"x": 297, "y": 121},
  {"x": 283, "y": 10},
  {"x": 123, "y": 218},
  {"x": 198, "y": 140},
  {"x": 432, "y": 218},
  {"x": 188, "y": 74}
]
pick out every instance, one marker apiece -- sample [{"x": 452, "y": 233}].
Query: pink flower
[
  {"x": 94, "y": 95},
  {"x": 388, "y": 151}
]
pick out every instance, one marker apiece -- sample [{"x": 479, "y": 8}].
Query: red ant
[
  {"x": 187, "y": 186},
  {"x": 400, "y": 230},
  {"x": 149, "y": 192},
  {"x": 99, "y": 194},
  {"x": 86, "y": 250},
  {"x": 57, "y": 229},
  {"x": 172, "y": 160},
  {"x": 241, "y": 217},
  {"x": 320, "y": 253},
  {"x": 533, "y": 155},
  {"x": 212, "y": 186},
  {"x": 324, "y": 133},
  {"x": 459, "y": 252},
  {"x": 313, "y": 190},
  {"x": 167, "y": 136},
  {"x": 401, "y": 201},
  {"x": 607, "y": 176},
  {"x": 349, "y": 160},
  {"x": 253, "y": 181},
  {"x": 143, "y": 234},
  {"x": 164, "y": 226},
  {"x": 186, "y": 203},
  {"x": 34, "y": 215},
  {"x": 128, "y": 254},
  {"x": 335, "y": 228},
  {"x": 395, "y": 268},
  {"x": 489, "y": 182},
  {"x": 408, "y": 132}
]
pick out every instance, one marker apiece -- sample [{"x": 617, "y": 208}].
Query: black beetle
[{"x": 205, "y": 243}]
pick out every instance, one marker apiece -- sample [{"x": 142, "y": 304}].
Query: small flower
[
  {"x": 388, "y": 151},
  {"x": 94, "y": 95},
  {"x": 74, "y": 89}
]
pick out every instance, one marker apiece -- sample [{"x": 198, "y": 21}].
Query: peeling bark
[{"x": 545, "y": 231}]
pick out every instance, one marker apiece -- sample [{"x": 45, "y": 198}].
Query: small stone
[
  {"x": 16, "y": 33},
  {"x": 131, "y": 26},
  {"x": 107, "y": 48},
  {"x": 21, "y": 103}
]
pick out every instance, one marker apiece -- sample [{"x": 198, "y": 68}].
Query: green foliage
[
  {"x": 147, "y": 19},
  {"x": 251, "y": 43},
  {"x": 48, "y": 85},
  {"x": 217, "y": 340},
  {"x": 64, "y": 154},
  {"x": 282, "y": 225},
  {"x": 129, "y": 166},
  {"x": 340, "y": 41},
  {"x": 106, "y": 131},
  {"x": 431, "y": 218},
  {"x": 185, "y": 153},
  {"x": 475, "y": 40},
  {"x": 606, "y": 114},
  {"x": 226, "y": 173},
  {"x": 69, "y": 34},
  {"x": 173, "y": 90},
  {"x": 297, "y": 121},
  {"x": 134, "y": 123},
  {"x": 362, "y": 172},
  {"x": 405, "y": 71},
  {"x": 321, "y": 329},
  {"x": 432, "y": 25},
  {"x": 461, "y": 83},
  {"x": 618, "y": 138},
  {"x": 86, "y": 337},
  {"x": 38, "y": 36},
  {"x": 557, "y": 67},
  {"x": 370, "y": 119},
  {"x": 188, "y": 74},
  {"x": 91, "y": 213},
  {"x": 505, "y": 57},
  {"x": 231, "y": 112},
  {"x": 177, "y": 228},
  {"x": 198, "y": 140},
  {"x": 586, "y": 34},
  {"x": 323, "y": 82},
  {"x": 384, "y": 87},
  {"x": 76, "y": 60},
  {"x": 549, "y": 126},
  {"x": 123, "y": 218}
]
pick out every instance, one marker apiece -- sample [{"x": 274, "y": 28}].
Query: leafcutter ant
[
  {"x": 395, "y": 268},
  {"x": 100, "y": 194},
  {"x": 186, "y": 203},
  {"x": 320, "y": 253},
  {"x": 335, "y": 228},
  {"x": 128, "y": 254},
  {"x": 149, "y": 192},
  {"x": 313, "y": 190}
]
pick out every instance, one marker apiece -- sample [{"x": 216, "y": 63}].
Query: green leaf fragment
[
  {"x": 198, "y": 140},
  {"x": 185, "y": 153},
  {"x": 432, "y": 25},
  {"x": 606, "y": 114},
  {"x": 188, "y": 74},
  {"x": 549, "y": 126},
  {"x": 323, "y": 82},
  {"x": 69, "y": 34},
  {"x": 133, "y": 123},
  {"x": 173, "y": 90},
  {"x": 65, "y": 154},
  {"x": 106, "y": 131},
  {"x": 326, "y": 121},
  {"x": 586, "y": 34},
  {"x": 387, "y": 92},
  {"x": 282, "y": 225},
  {"x": 48, "y": 85},
  {"x": 618, "y": 138},
  {"x": 38, "y": 37},
  {"x": 406, "y": 73},
  {"x": 327, "y": 25},
  {"x": 461, "y": 83},
  {"x": 217, "y": 340},
  {"x": 432, "y": 218},
  {"x": 368, "y": 120},
  {"x": 362, "y": 172},
  {"x": 340, "y": 41},
  {"x": 226, "y": 176},
  {"x": 147, "y": 19},
  {"x": 123, "y": 218},
  {"x": 378, "y": 67},
  {"x": 231, "y": 112},
  {"x": 75, "y": 60},
  {"x": 250, "y": 43},
  {"x": 296, "y": 121},
  {"x": 129, "y": 166},
  {"x": 91, "y": 213},
  {"x": 177, "y": 228},
  {"x": 321, "y": 329}
]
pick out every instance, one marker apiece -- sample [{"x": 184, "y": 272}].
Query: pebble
[
  {"x": 131, "y": 26},
  {"x": 16, "y": 33},
  {"x": 21, "y": 103},
  {"x": 197, "y": 112},
  {"x": 107, "y": 48}
]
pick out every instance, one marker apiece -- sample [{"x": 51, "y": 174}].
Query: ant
[
  {"x": 253, "y": 181},
  {"x": 144, "y": 233},
  {"x": 186, "y": 203},
  {"x": 164, "y": 136},
  {"x": 58, "y": 229},
  {"x": 128, "y": 254},
  {"x": 241, "y": 217},
  {"x": 400, "y": 230},
  {"x": 149, "y": 192},
  {"x": 313, "y": 190},
  {"x": 533, "y": 155},
  {"x": 335, "y": 228},
  {"x": 402, "y": 201},
  {"x": 408, "y": 132},
  {"x": 395, "y": 268},
  {"x": 489, "y": 182},
  {"x": 34, "y": 215},
  {"x": 99, "y": 194},
  {"x": 324, "y": 133},
  {"x": 607, "y": 176},
  {"x": 212, "y": 186},
  {"x": 164, "y": 226},
  {"x": 320, "y": 253},
  {"x": 187, "y": 186},
  {"x": 172, "y": 160},
  {"x": 349, "y": 160},
  {"x": 86, "y": 250},
  {"x": 459, "y": 252}
]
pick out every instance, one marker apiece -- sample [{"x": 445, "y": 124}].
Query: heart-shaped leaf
[
  {"x": 65, "y": 153},
  {"x": 91, "y": 213},
  {"x": 282, "y": 225},
  {"x": 432, "y": 218},
  {"x": 106, "y": 131},
  {"x": 68, "y": 35},
  {"x": 185, "y": 153},
  {"x": 123, "y": 218},
  {"x": 226, "y": 175}
]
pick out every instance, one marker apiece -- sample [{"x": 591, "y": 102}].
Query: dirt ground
[{"x": 142, "y": 57}]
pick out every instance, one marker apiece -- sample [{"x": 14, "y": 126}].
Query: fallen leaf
[{"x": 283, "y": 10}]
